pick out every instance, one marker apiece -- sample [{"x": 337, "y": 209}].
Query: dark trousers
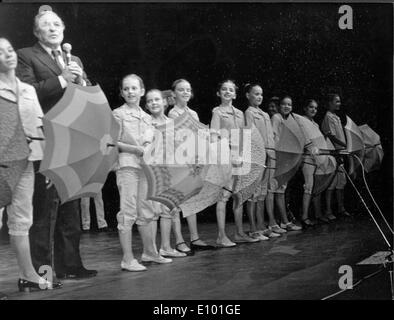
[{"x": 56, "y": 231}]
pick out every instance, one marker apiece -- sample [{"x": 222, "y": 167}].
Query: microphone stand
[{"x": 388, "y": 262}]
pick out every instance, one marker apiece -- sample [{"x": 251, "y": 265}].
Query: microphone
[{"x": 67, "y": 48}]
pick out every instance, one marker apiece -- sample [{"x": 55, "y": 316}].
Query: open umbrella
[
  {"x": 324, "y": 175},
  {"x": 315, "y": 140},
  {"x": 14, "y": 149},
  {"x": 253, "y": 160},
  {"x": 214, "y": 179},
  {"x": 325, "y": 163},
  {"x": 289, "y": 150},
  {"x": 173, "y": 164},
  {"x": 355, "y": 145},
  {"x": 80, "y": 135},
  {"x": 172, "y": 185},
  {"x": 373, "y": 149}
]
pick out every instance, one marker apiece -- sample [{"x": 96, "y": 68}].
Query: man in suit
[{"x": 55, "y": 234}]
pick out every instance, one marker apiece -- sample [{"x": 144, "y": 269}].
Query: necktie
[{"x": 59, "y": 62}]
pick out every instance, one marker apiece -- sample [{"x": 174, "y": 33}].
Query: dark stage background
[{"x": 290, "y": 48}]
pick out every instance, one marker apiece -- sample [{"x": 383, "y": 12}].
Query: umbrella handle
[
  {"x": 311, "y": 164},
  {"x": 322, "y": 152},
  {"x": 327, "y": 152},
  {"x": 227, "y": 189},
  {"x": 375, "y": 145},
  {"x": 36, "y": 138}
]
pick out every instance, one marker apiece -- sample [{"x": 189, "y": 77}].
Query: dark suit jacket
[{"x": 38, "y": 68}]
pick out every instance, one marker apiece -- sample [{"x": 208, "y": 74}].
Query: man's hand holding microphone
[{"x": 72, "y": 72}]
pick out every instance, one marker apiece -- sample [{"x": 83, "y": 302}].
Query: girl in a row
[
  {"x": 136, "y": 134},
  {"x": 264, "y": 196},
  {"x": 155, "y": 103},
  {"x": 333, "y": 129},
  {"x": 226, "y": 117},
  {"x": 309, "y": 167},
  {"x": 183, "y": 92},
  {"x": 278, "y": 120}
]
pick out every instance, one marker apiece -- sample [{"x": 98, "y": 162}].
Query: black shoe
[
  {"x": 307, "y": 223},
  {"x": 200, "y": 247},
  {"x": 56, "y": 284},
  {"x": 345, "y": 214},
  {"x": 77, "y": 274},
  {"x": 188, "y": 253},
  {"x": 28, "y": 286},
  {"x": 322, "y": 220}
]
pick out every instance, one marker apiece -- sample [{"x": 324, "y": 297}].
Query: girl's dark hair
[
  {"x": 284, "y": 97},
  {"x": 340, "y": 113},
  {"x": 224, "y": 81},
  {"x": 330, "y": 97},
  {"x": 274, "y": 99},
  {"x": 309, "y": 101},
  {"x": 249, "y": 86}
]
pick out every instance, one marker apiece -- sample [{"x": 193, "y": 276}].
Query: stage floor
[{"x": 299, "y": 265}]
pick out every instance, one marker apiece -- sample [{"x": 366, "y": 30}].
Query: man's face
[{"x": 49, "y": 30}]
